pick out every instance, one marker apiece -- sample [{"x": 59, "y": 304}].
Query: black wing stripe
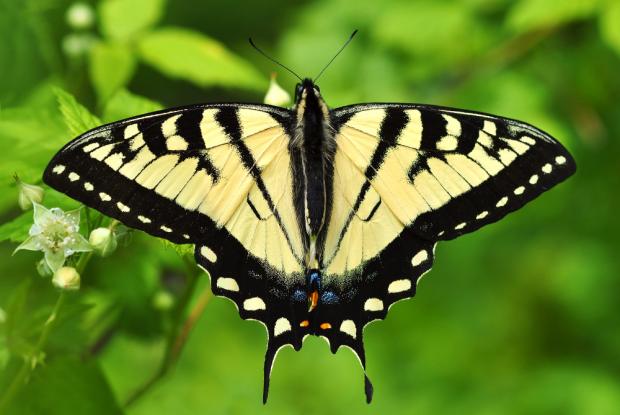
[
  {"x": 393, "y": 123},
  {"x": 433, "y": 128},
  {"x": 470, "y": 128},
  {"x": 153, "y": 137},
  {"x": 188, "y": 127}
]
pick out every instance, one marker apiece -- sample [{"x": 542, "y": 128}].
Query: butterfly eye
[{"x": 298, "y": 90}]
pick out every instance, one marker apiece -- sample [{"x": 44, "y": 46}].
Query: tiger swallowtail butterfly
[{"x": 312, "y": 220}]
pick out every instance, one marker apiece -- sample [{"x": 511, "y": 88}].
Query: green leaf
[
  {"x": 124, "y": 19},
  {"x": 66, "y": 385},
  {"x": 533, "y": 14},
  {"x": 76, "y": 116},
  {"x": 610, "y": 25},
  {"x": 405, "y": 27},
  {"x": 181, "y": 249},
  {"x": 124, "y": 104},
  {"x": 24, "y": 45},
  {"x": 31, "y": 135},
  {"x": 17, "y": 229},
  {"x": 189, "y": 55},
  {"x": 111, "y": 67}
]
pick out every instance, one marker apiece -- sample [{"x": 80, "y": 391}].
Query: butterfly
[{"x": 312, "y": 220}]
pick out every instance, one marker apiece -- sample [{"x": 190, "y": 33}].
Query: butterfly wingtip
[
  {"x": 265, "y": 391},
  {"x": 368, "y": 389}
]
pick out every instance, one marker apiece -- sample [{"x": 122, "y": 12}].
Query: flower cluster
[{"x": 56, "y": 234}]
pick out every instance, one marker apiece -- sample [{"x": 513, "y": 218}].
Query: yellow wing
[
  {"x": 177, "y": 173},
  {"x": 443, "y": 172}
]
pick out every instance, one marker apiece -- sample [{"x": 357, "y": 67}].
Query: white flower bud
[
  {"x": 80, "y": 16},
  {"x": 77, "y": 44},
  {"x": 67, "y": 278},
  {"x": 163, "y": 300},
  {"x": 28, "y": 194},
  {"x": 103, "y": 241},
  {"x": 276, "y": 95}
]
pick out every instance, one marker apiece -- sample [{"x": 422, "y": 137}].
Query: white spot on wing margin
[
  {"x": 228, "y": 284},
  {"x": 373, "y": 304},
  {"x": 282, "y": 325},
  {"x": 208, "y": 253},
  {"x": 419, "y": 258},
  {"x": 348, "y": 327},
  {"x": 398, "y": 286},
  {"x": 254, "y": 304}
]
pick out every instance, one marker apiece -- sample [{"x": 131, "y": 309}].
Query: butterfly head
[
  {"x": 308, "y": 101},
  {"x": 304, "y": 88}
]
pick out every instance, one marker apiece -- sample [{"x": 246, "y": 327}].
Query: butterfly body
[
  {"x": 313, "y": 221},
  {"x": 314, "y": 146}
]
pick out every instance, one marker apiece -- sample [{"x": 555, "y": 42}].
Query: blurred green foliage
[{"x": 521, "y": 317}]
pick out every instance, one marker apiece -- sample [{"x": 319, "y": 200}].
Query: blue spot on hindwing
[
  {"x": 300, "y": 296},
  {"x": 329, "y": 297}
]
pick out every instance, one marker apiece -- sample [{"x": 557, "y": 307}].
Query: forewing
[
  {"x": 438, "y": 171},
  {"x": 186, "y": 174}
]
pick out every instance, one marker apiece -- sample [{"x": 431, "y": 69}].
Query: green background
[{"x": 521, "y": 317}]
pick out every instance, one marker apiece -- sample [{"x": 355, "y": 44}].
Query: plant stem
[
  {"x": 179, "y": 333},
  {"x": 49, "y": 324},
  {"x": 189, "y": 324},
  {"x": 30, "y": 363},
  {"x": 83, "y": 261},
  {"x": 14, "y": 387},
  {"x": 179, "y": 311}
]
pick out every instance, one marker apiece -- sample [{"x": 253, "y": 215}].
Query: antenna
[
  {"x": 272, "y": 59},
  {"x": 336, "y": 55}
]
